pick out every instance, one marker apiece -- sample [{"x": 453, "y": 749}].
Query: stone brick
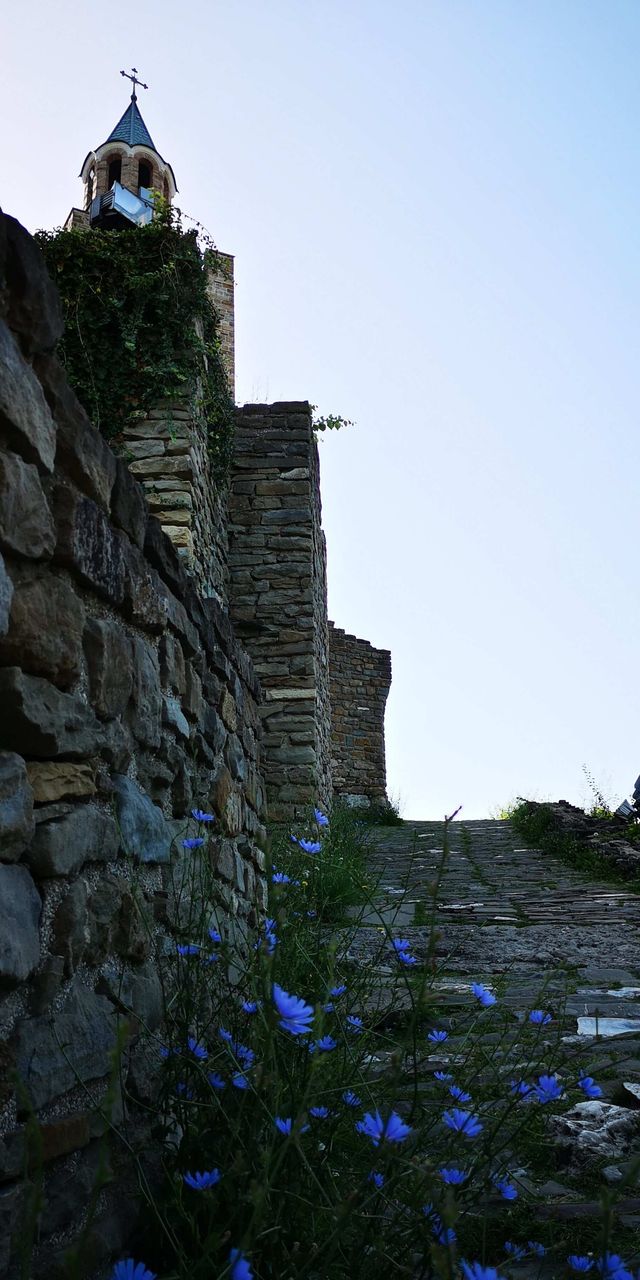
[
  {"x": 180, "y": 466},
  {"x": 26, "y": 524},
  {"x": 144, "y": 833},
  {"x": 145, "y": 708},
  {"x": 17, "y": 823},
  {"x": 45, "y": 629},
  {"x": 81, "y": 451},
  {"x": 64, "y": 842},
  {"x": 6, "y": 597},
  {"x": 109, "y": 655},
  {"x": 25, "y": 418},
  {"x": 71, "y": 926},
  {"x": 172, "y": 666},
  {"x": 145, "y": 596},
  {"x": 220, "y": 788},
  {"x": 45, "y": 1066},
  {"x": 173, "y": 718},
  {"x": 20, "y": 908},
  {"x": 35, "y": 311},
  {"x": 88, "y": 544},
  {"x": 128, "y": 504},
  {"x": 53, "y": 780},
  {"x": 38, "y": 720}
]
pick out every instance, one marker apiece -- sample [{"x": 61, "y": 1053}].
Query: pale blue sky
[{"x": 433, "y": 207}]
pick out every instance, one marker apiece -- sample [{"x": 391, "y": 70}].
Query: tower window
[
  {"x": 144, "y": 174},
  {"x": 91, "y": 178},
  {"x": 115, "y": 170}
]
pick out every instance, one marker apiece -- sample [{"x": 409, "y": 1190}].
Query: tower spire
[{"x": 134, "y": 80}]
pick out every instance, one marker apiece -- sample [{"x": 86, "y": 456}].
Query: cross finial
[{"x": 134, "y": 80}]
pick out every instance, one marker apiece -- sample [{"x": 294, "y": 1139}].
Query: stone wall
[
  {"x": 126, "y": 699},
  {"x": 278, "y": 595},
  {"x": 360, "y": 677},
  {"x": 221, "y": 289}
]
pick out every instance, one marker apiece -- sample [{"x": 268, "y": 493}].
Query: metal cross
[{"x": 134, "y": 80}]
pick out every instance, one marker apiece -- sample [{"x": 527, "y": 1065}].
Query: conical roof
[{"x": 131, "y": 128}]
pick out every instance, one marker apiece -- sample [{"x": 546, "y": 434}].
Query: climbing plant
[{"x": 140, "y": 325}]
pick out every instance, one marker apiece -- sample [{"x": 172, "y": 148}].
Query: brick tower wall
[{"x": 360, "y": 678}]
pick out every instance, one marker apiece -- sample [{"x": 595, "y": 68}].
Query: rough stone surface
[
  {"x": 360, "y": 677},
  {"x": 17, "y": 824},
  {"x": 20, "y": 908},
  {"x": 53, "y": 780},
  {"x": 145, "y": 711},
  {"x": 6, "y": 597},
  {"x": 86, "y": 1024},
  {"x": 81, "y": 451},
  {"x": 24, "y": 413},
  {"x": 144, "y": 833},
  {"x": 35, "y": 311},
  {"x": 39, "y": 720},
  {"x": 45, "y": 629},
  {"x": 26, "y": 523},
  {"x": 109, "y": 655},
  {"x": 88, "y": 544},
  {"x": 63, "y": 843}
]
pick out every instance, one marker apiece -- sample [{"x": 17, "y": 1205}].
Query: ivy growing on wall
[{"x": 140, "y": 326}]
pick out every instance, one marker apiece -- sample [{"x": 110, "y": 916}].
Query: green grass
[{"x": 538, "y": 827}]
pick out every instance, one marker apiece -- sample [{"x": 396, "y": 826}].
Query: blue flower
[
  {"x": 187, "y": 949},
  {"x": 521, "y": 1087},
  {"x": 444, "y": 1235},
  {"x": 295, "y": 1016},
  {"x": 376, "y": 1178},
  {"x": 355, "y": 1024},
  {"x": 547, "y": 1089},
  {"x": 216, "y": 1081},
  {"x": 201, "y": 1181},
  {"x": 438, "y": 1037},
  {"x": 453, "y": 1177},
  {"x": 310, "y": 846},
  {"x": 328, "y": 1008},
  {"x": 476, "y": 1271},
  {"x": 319, "y": 1113},
  {"x": 539, "y": 1017},
  {"x": 279, "y": 877},
  {"x": 506, "y": 1189},
  {"x": 482, "y": 994},
  {"x": 443, "y": 1076},
  {"x": 240, "y": 1081},
  {"x": 459, "y": 1094},
  {"x": 401, "y": 944},
  {"x": 351, "y": 1099},
  {"x": 164, "y": 1052},
  {"x": 578, "y": 1262},
  {"x": 589, "y": 1087},
  {"x": 336, "y": 992},
  {"x": 240, "y": 1269},
  {"x": 198, "y": 1050},
  {"x": 246, "y": 1055},
  {"x": 202, "y": 817},
  {"x": 250, "y": 1006},
  {"x": 225, "y": 1035},
  {"x": 515, "y": 1250},
  {"x": 130, "y": 1270},
  {"x": 463, "y": 1122},
  {"x": 612, "y": 1267},
  {"x": 393, "y": 1129},
  {"x": 405, "y": 958},
  {"x": 324, "y": 1045},
  {"x": 321, "y": 818},
  {"x": 311, "y": 915},
  {"x": 284, "y": 1125},
  {"x": 534, "y": 1246},
  {"x": 214, "y": 935},
  {"x": 193, "y": 843}
]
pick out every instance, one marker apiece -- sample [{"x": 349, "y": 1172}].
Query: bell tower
[{"x": 123, "y": 175}]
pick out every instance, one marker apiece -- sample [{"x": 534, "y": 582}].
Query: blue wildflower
[
  {"x": 202, "y": 817},
  {"x": 459, "y": 1094},
  {"x": 376, "y": 1178},
  {"x": 321, "y": 818},
  {"x": 319, "y": 1113},
  {"x": 130, "y": 1270},
  {"x": 240, "y": 1268},
  {"x": 589, "y": 1087},
  {"x": 534, "y": 1246},
  {"x": 193, "y": 843},
  {"x": 164, "y": 1052},
  {"x": 521, "y": 1087},
  {"x": 202, "y": 1181},
  {"x": 462, "y": 1122},
  {"x": 393, "y": 1129},
  {"x": 444, "y": 1235},
  {"x": 438, "y": 1037},
  {"x": 215, "y": 936},
  {"x": 212, "y": 958},
  {"x": 401, "y": 944},
  {"x": 515, "y": 1250},
  {"x": 506, "y": 1189},
  {"x": 539, "y": 1017},
  {"x": 547, "y": 1089},
  {"x": 578, "y": 1262},
  {"x": 476, "y": 1271},
  {"x": 324, "y": 1045},
  {"x": 453, "y": 1177},
  {"x": 336, "y": 992},
  {"x": 483, "y": 994},
  {"x": 328, "y": 1008},
  {"x": 246, "y": 1055},
  {"x": 442, "y": 1076},
  {"x": 240, "y": 1081},
  {"x": 311, "y": 915},
  {"x": 216, "y": 1081},
  {"x": 612, "y": 1267},
  {"x": 279, "y": 877},
  {"x": 310, "y": 846},
  {"x": 284, "y": 1125},
  {"x": 295, "y": 1016},
  {"x": 355, "y": 1024},
  {"x": 351, "y": 1099},
  {"x": 198, "y": 1050},
  {"x": 188, "y": 949},
  {"x": 225, "y": 1035},
  {"x": 250, "y": 1006},
  {"x": 405, "y": 958}
]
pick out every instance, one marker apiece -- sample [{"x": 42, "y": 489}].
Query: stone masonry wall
[
  {"x": 125, "y": 699},
  {"x": 360, "y": 677},
  {"x": 278, "y": 596},
  {"x": 221, "y": 288}
]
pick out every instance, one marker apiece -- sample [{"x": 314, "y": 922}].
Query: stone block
[
  {"x": 172, "y": 666},
  {"x": 235, "y": 758},
  {"x": 6, "y": 597},
  {"x": 144, "y": 833},
  {"x": 88, "y": 544},
  {"x": 71, "y": 927},
  {"x": 109, "y": 655},
  {"x": 214, "y": 730},
  {"x": 193, "y": 702},
  {"x": 26, "y": 523},
  {"x": 54, "y": 1054},
  {"x": 20, "y": 908},
  {"x": 82, "y": 453},
  {"x": 163, "y": 556},
  {"x": 146, "y": 704},
  {"x": 44, "y": 635},
  {"x": 17, "y": 824},
  {"x": 53, "y": 780},
  {"x": 145, "y": 595},
  {"x": 173, "y": 718},
  {"x": 138, "y": 992},
  {"x": 220, "y": 789},
  {"x": 181, "y": 466},
  {"x": 128, "y": 504},
  {"x": 24, "y": 413},
  {"x": 65, "y": 841},
  {"x": 38, "y": 720},
  {"x": 35, "y": 310}
]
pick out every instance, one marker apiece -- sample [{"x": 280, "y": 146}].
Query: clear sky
[{"x": 434, "y": 211}]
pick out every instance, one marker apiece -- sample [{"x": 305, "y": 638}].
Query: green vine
[{"x": 141, "y": 329}]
